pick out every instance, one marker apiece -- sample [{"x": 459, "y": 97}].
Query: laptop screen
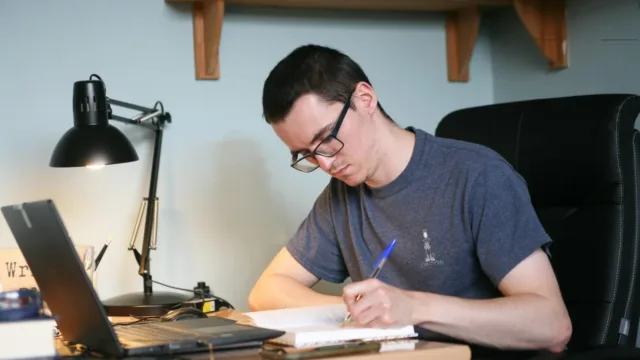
[{"x": 60, "y": 275}]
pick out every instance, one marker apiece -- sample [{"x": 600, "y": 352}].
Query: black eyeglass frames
[{"x": 330, "y": 146}]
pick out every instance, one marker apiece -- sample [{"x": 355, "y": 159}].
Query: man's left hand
[{"x": 380, "y": 305}]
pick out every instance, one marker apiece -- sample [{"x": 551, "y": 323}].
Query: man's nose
[{"x": 325, "y": 162}]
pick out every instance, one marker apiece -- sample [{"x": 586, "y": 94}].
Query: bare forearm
[
  {"x": 522, "y": 321},
  {"x": 279, "y": 291}
]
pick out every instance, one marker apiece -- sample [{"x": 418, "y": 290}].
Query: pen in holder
[
  {"x": 92, "y": 265},
  {"x": 88, "y": 262}
]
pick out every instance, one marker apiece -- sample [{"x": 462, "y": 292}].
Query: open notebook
[{"x": 320, "y": 325}]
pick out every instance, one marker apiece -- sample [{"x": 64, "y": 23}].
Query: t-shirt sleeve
[
  {"x": 505, "y": 225},
  {"x": 315, "y": 246}
]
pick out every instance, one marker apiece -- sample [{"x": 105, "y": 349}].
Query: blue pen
[
  {"x": 382, "y": 259},
  {"x": 376, "y": 268}
]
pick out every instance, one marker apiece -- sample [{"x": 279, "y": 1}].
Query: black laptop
[{"x": 71, "y": 298}]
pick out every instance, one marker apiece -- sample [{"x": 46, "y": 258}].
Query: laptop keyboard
[{"x": 150, "y": 332}]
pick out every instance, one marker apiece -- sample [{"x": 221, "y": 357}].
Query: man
[{"x": 470, "y": 259}]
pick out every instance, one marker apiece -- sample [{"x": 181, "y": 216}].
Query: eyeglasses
[{"x": 328, "y": 147}]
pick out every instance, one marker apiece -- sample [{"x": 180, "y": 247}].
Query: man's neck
[{"x": 393, "y": 152}]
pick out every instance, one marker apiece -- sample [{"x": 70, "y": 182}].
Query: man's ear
[{"x": 366, "y": 98}]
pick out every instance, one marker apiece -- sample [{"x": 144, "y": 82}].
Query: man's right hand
[{"x": 284, "y": 284}]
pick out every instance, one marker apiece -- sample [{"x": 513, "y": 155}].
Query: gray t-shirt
[{"x": 460, "y": 214}]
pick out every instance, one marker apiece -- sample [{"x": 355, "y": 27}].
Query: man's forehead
[
  {"x": 309, "y": 120},
  {"x": 304, "y": 140},
  {"x": 309, "y": 106}
]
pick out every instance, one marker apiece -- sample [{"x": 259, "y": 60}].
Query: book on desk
[
  {"x": 28, "y": 338},
  {"x": 320, "y": 325}
]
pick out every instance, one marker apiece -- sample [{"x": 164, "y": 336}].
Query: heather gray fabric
[{"x": 460, "y": 214}]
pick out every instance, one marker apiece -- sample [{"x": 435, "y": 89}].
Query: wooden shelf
[
  {"x": 545, "y": 20},
  {"x": 546, "y": 23}
]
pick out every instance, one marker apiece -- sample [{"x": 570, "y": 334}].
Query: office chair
[{"x": 579, "y": 157}]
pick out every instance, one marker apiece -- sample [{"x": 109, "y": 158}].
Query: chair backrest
[{"x": 579, "y": 156}]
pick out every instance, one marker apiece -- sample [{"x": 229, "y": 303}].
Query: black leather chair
[{"x": 579, "y": 156}]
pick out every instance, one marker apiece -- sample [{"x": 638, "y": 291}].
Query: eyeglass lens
[{"x": 328, "y": 147}]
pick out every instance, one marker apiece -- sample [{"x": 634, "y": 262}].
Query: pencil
[{"x": 102, "y": 251}]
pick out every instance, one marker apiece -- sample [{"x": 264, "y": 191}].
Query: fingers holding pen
[
  {"x": 372, "y": 314},
  {"x": 351, "y": 291},
  {"x": 365, "y": 300},
  {"x": 372, "y": 290},
  {"x": 376, "y": 304}
]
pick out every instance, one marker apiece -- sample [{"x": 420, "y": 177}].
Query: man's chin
[{"x": 352, "y": 180}]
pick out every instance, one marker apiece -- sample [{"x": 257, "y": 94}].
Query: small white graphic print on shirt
[{"x": 430, "y": 257}]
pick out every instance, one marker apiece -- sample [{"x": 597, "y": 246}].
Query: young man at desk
[{"x": 470, "y": 258}]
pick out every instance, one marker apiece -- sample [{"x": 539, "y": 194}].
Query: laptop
[{"x": 72, "y": 300}]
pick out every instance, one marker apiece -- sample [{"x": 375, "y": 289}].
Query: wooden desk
[
  {"x": 401, "y": 349},
  {"x": 423, "y": 351}
]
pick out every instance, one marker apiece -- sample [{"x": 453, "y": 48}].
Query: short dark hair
[{"x": 310, "y": 69}]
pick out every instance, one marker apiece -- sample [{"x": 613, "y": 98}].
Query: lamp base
[{"x": 140, "y": 304}]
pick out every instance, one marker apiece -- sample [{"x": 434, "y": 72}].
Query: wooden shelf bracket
[
  {"x": 462, "y": 28},
  {"x": 207, "y": 30},
  {"x": 545, "y": 20}
]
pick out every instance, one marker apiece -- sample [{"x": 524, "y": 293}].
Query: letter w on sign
[{"x": 15, "y": 273}]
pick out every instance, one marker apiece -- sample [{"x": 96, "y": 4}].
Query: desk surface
[
  {"x": 423, "y": 350},
  {"x": 401, "y": 349}
]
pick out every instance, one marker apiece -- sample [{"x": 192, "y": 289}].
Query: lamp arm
[
  {"x": 150, "y": 118},
  {"x": 137, "y": 120},
  {"x": 153, "y": 119},
  {"x": 129, "y": 105},
  {"x": 151, "y": 222}
]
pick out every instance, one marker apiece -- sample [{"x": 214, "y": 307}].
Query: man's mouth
[{"x": 341, "y": 170}]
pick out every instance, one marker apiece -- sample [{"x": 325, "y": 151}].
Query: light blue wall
[
  {"x": 604, "y": 53},
  {"x": 228, "y": 199}
]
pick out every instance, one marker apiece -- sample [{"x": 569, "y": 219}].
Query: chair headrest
[{"x": 570, "y": 150}]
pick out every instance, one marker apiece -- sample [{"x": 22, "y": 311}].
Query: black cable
[
  {"x": 172, "y": 287},
  {"x": 199, "y": 294},
  {"x": 138, "y": 320},
  {"x": 159, "y": 104}
]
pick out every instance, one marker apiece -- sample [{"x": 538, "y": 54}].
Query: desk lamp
[{"x": 92, "y": 142}]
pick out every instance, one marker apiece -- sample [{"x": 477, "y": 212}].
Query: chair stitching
[
  {"x": 615, "y": 284},
  {"x": 635, "y": 238}
]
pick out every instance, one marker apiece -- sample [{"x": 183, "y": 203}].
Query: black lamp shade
[
  {"x": 92, "y": 140},
  {"x": 93, "y": 145}
]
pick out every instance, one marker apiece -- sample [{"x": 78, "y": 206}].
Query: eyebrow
[{"x": 316, "y": 136}]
